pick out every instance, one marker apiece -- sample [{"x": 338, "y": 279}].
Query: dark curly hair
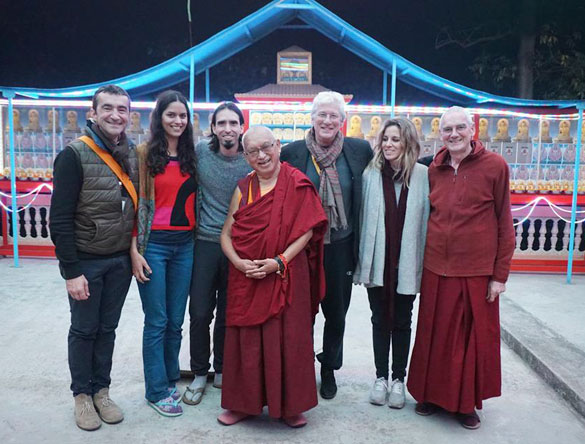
[{"x": 158, "y": 158}]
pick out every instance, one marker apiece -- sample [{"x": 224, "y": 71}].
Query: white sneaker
[
  {"x": 379, "y": 391},
  {"x": 397, "y": 397}
]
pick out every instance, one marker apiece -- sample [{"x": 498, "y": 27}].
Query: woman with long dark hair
[
  {"x": 162, "y": 249},
  {"x": 395, "y": 210}
]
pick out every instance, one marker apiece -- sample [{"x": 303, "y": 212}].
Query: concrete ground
[
  {"x": 549, "y": 298},
  {"x": 37, "y": 406}
]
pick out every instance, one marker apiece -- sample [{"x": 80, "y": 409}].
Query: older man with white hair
[
  {"x": 334, "y": 164},
  {"x": 455, "y": 362}
]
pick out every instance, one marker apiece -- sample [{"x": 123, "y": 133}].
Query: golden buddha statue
[
  {"x": 544, "y": 134},
  {"x": 355, "y": 127},
  {"x": 418, "y": 124},
  {"x": 196, "y": 125},
  {"x": 502, "y": 134},
  {"x": 375, "y": 123},
  {"x": 34, "y": 124},
  {"x": 523, "y": 133},
  {"x": 277, "y": 119},
  {"x": 256, "y": 118},
  {"x": 135, "y": 126},
  {"x": 72, "y": 121},
  {"x": 53, "y": 119},
  {"x": 564, "y": 135},
  {"x": 15, "y": 121},
  {"x": 483, "y": 129},
  {"x": 435, "y": 134}
]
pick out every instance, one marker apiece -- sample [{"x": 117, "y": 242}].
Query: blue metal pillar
[
  {"x": 10, "y": 95},
  {"x": 385, "y": 88},
  {"x": 192, "y": 85},
  {"x": 207, "y": 85},
  {"x": 574, "y": 203},
  {"x": 393, "y": 94}
]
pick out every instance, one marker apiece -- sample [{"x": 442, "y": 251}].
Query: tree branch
[{"x": 465, "y": 38}]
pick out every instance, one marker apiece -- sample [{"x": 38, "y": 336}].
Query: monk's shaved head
[{"x": 256, "y": 134}]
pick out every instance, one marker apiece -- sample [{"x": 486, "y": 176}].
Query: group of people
[{"x": 263, "y": 236}]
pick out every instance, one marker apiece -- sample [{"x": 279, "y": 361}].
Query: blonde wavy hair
[{"x": 410, "y": 151}]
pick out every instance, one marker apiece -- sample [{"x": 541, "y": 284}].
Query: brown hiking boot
[
  {"x": 106, "y": 408},
  {"x": 86, "y": 417}
]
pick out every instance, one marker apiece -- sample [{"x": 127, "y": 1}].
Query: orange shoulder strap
[{"x": 114, "y": 166}]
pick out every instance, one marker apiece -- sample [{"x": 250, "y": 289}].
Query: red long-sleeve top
[
  {"x": 470, "y": 229},
  {"x": 174, "y": 199}
]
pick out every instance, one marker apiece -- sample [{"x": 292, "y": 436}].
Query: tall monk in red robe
[
  {"x": 455, "y": 362},
  {"x": 273, "y": 238}
]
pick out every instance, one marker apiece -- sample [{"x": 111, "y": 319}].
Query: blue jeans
[{"x": 164, "y": 300}]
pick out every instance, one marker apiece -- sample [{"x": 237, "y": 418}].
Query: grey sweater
[{"x": 218, "y": 176}]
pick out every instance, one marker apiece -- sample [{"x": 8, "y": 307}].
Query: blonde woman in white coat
[{"x": 395, "y": 209}]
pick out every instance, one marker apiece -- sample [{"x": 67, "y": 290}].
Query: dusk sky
[{"x": 65, "y": 43}]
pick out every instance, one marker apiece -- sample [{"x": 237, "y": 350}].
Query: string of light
[
  {"x": 554, "y": 208},
  {"x": 35, "y": 191}
]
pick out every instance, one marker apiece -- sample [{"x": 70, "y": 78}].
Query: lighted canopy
[{"x": 266, "y": 20}]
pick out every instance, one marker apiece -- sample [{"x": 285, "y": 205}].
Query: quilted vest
[{"x": 104, "y": 219}]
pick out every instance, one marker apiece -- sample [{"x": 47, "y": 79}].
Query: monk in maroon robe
[
  {"x": 455, "y": 362},
  {"x": 273, "y": 238}
]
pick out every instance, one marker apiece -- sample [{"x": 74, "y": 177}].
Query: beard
[{"x": 228, "y": 144}]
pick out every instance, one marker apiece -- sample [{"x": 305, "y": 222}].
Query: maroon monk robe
[
  {"x": 268, "y": 354},
  {"x": 455, "y": 362}
]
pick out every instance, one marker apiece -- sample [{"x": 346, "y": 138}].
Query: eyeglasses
[
  {"x": 266, "y": 149},
  {"x": 458, "y": 128},
  {"x": 332, "y": 116}
]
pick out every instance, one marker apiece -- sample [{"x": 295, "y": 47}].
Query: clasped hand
[{"x": 257, "y": 269}]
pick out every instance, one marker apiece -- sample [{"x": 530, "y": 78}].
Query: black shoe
[{"x": 328, "y": 388}]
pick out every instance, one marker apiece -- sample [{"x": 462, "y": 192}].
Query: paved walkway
[
  {"x": 36, "y": 404},
  {"x": 542, "y": 321}
]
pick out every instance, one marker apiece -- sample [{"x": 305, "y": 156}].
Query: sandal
[
  {"x": 193, "y": 397},
  {"x": 175, "y": 394},
  {"x": 296, "y": 421},
  {"x": 231, "y": 417},
  {"x": 167, "y": 407}
]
